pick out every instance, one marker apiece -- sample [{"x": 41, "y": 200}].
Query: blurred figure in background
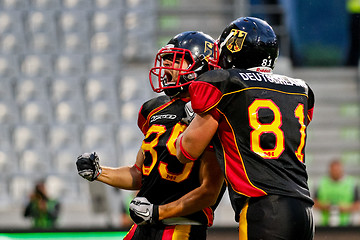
[
  {"x": 337, "y": 197},
  {"x": 43, "y": 210},
  {"x": 353, "y": 8}
]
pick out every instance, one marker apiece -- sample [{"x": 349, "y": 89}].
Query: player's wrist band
[
  {"x": 98, "y": 173},
  {"x": 155, "y": 216},
  {"x": 185, "y": 153},
  {"x": 137, "y": 167}
]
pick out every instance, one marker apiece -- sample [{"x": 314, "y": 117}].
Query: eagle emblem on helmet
[
  {"x": 208, "y": 50},
  {"x": 236, "y": 40}
]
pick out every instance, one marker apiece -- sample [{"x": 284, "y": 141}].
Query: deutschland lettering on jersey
[
  {"x": 262, "y": 129},
  {"x": 165, "y": 179}
]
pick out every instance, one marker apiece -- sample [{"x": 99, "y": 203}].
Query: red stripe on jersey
[
  {"x": 235, "y": 171},
  {"x": 144, "y": 123},
  {"x": 168, "y": 232},
  {"x": 214, "y": 112},
  {"x": 209, "y": 215},
  {"x": 131, "y": 232},
  {"x": 204, "y": 96},
  {"x": 310, "y": 115}
]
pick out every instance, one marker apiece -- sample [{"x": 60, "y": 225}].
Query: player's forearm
[
  {"x": 181, "y": 153},
  {"x": 187, "y": 147},
  {"x": 123, "y": 177},
  {"x": 189, "y": 203},
  {"x": 192, "y": 143},
  {"x": 206, "y": 195}
]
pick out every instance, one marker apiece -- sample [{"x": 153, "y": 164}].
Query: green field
[{"x": 64, "y": 235}]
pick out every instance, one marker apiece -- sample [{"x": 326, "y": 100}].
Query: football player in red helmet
[
  {"x": 186, "y": 56},
  {"x": 174, "y": 199}
]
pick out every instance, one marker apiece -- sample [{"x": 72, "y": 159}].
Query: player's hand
[
  {"x": 190, "y": 115},
  {"x": 88, "y": 166},
  {"x": 143, "y": 212}
]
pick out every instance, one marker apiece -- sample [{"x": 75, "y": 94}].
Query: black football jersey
[
  {"x": 261, "y": 137},
  {"x": 165, "y": 178}
]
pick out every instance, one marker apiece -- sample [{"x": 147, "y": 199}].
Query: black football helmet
[
  {"x": 248, "y": 42},
  {"x": 193, "y": 48}
]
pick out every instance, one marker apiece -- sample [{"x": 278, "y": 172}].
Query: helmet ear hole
[{"x": 190, "y": 76}]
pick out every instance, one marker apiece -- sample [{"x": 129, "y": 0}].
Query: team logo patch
[
  {"x": 236, "y": 41},
  {"x": 163, "y": 116},
  {"x": 208, "y": 50}
]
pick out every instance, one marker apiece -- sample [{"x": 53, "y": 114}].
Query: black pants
[{"x": 276, "y": 217}]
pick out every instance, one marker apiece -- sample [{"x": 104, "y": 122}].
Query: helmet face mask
[
  {"x": 171, "y": 69},
  {"x": 248, "y": 43},
  {"x": 186, "y": 56}
]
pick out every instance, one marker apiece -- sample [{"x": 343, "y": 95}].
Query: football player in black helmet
[
  {"x": 257, "y": 122},
  {"x": 174, "y": 200},
  {"x": 248, "y": 43},
  {"x": 185, "y": 57}
]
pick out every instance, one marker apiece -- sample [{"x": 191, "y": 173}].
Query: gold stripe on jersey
[
  {"x": 181, "y": 232},
  {"x": 252, "y": 88},
  {"x": 243, "y": 232},
  {"x": 263, "y": 88}
]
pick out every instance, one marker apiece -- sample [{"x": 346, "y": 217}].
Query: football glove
[
  {"x": 143, "y": 212},
  {"x": 88, "y": 166},
  {"x": 190, "y": 115}
]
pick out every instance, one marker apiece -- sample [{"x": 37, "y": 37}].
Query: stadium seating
[
  {"x": 63, "y": 136},
  {"x": 69, "y": 65},
  {"x": 27, "y": 136},
  {"x": 8, "y": 66},
  {"x": 8, "y": 162},
  {"x": 69, "y": 111},
  {"x": 64, "y": 88},
  {"x": 74, "y": 74},
  {"x": 32, "y": 160},
  {"x": 36, "y": 112},
  {"x": 9, "y": 113}
]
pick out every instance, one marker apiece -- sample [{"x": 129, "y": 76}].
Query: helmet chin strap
[{"x": 172, "y": 92}]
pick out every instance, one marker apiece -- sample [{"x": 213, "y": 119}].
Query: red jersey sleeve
[
  {"x": 311, "y": 101},
  {"x": 142, "y": 123},
  {"x": 310, "y": 115},
  {"x": 204, "y": 96}
]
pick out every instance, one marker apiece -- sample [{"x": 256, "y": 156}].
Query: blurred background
[{"x": 74, "y": 73}]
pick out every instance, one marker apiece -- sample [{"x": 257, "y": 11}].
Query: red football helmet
[{"x": 185, "y": 57}]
